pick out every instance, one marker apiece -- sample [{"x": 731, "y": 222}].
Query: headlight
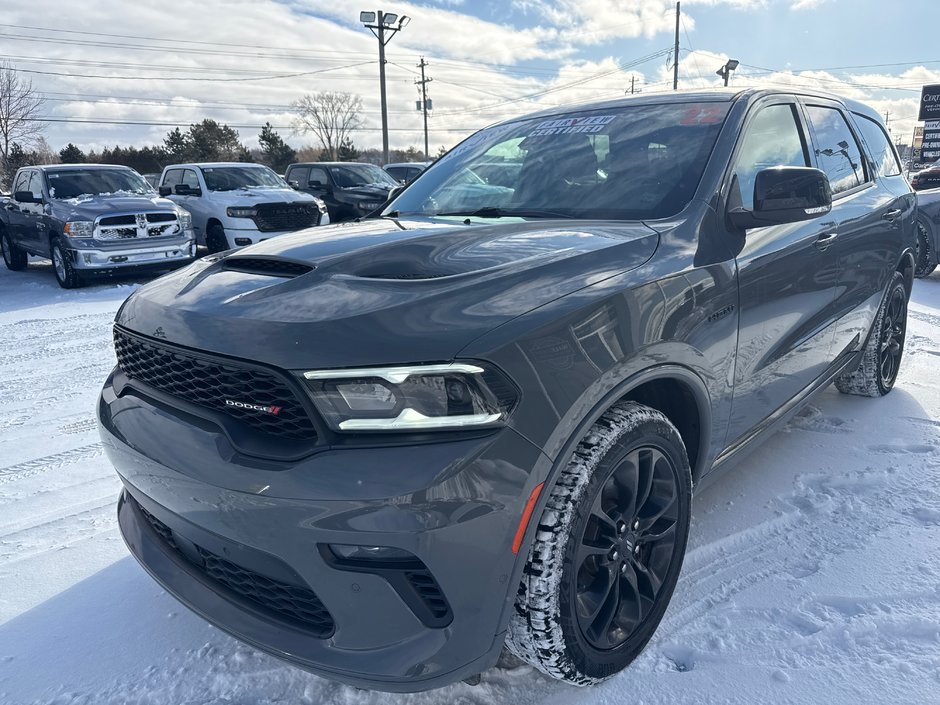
[
  {"x": 185, "y": 218},
  {"x": 369, "y": 205},
  {"x": 321, "y": 204},
  {"x": 241, "y": 212},
  {"x": 80, "y": 228},
  {"x": 412, "y": 398}
]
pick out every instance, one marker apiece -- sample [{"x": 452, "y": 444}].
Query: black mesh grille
[
  {"x": 296, "y": 603},
  {"x": 273, "y": 267},
  {"x": 285, "y": 216},
  {"x": 429, "y": 592},
  {"x": 258, "y": 398}
]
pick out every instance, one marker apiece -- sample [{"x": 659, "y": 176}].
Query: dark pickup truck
[
  {"x": 91, "y": 219},
  {"x": 382, "y": 450}
]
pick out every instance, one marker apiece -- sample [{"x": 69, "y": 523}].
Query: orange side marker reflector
[{"x": 526, "y": 515}]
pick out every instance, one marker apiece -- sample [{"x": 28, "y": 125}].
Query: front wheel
[
  {"x": 65, "y": 273},
  {"x": 881, "y": 357},
  {"x": 216, "y": 240},
  {"x": 608, "y": 550},
  {"x": 14, "y": 258}
]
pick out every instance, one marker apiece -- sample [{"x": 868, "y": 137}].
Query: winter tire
[
  {"x": 215, "y": 239},
  {"x": 65, "y": 273},
  {"x": 608, "y": 549},
  {"x": 881, "y": 357},
  {"x": 925, "y": 258},
  {"x": 15, "y": 259}
]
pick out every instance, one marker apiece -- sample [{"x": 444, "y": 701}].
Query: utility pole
[
  {"x": 632, "y": 81},
  {"x": 675, "y": 63},
  {"x": 385, "y": 23},
  {"x": 424, "y": 103}
]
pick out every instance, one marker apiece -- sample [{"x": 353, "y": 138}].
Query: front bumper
[
  {"x": 454, "y": 506},
  {"x": 123, "y": 256}
]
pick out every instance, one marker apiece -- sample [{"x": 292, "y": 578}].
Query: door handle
[
  {"x": 892, "y": 214},
  {"x": 824, "y": 240}
]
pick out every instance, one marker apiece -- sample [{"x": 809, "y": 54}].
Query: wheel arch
[{"x": 906, "y": 267}]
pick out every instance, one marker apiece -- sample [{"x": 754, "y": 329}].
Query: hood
[
  {"x": 253, "y": 196},
  {"x": 91, "y": 207},
  {"x": 380, "y": 291}
]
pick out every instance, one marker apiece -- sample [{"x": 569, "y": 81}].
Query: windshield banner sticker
[{"x": 568, "y": 126}]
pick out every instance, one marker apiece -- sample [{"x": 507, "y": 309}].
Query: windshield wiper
[{"x": 494, "y": 212}]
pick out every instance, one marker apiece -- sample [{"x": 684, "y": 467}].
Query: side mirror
[
  {"x": 164, "y": 191},
  {"x": 294, "y": 185},
  {"x": 393, "y": 193},
  {"x": 785, "y": 194},
  {"x": 26, "y": 197},
  {"x": 184, "y": 190}
]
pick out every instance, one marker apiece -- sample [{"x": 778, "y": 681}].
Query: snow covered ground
[{"x": 813, "y": 574}]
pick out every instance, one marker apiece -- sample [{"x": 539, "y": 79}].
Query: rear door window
[
  {"x": 837, "y": 151},
  {"x": 882, "y": 151}
]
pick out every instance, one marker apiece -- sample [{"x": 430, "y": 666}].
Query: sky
[{"x": 113, "y": 72}]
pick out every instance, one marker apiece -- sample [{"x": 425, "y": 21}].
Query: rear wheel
[
  {"x": 14, "y": 258},
  {"x": 65, "y": 273},
  {"x": 215, "y": 239},
  {"x": 881, "y": 357},
  {"x": 608, "y": 550},
  {"x": 925, "y": 258}
]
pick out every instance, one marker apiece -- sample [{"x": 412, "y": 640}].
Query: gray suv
[{"x": 476, "y": 419}]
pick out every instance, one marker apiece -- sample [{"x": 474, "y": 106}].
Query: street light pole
[
  {"x": 725, "y": 71},
  {"x": 383, "y": 27}
]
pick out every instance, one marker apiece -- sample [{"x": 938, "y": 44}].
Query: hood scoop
[{"x": 271, "y": 267}]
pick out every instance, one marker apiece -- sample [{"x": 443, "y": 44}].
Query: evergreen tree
[
  {"x": 275, "y": 152},
  {"x": 71, "y": 154}
]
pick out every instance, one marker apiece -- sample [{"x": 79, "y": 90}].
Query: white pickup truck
[{"x": 235, "y": 204}]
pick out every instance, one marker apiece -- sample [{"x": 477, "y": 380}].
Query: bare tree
[
  {"x": 329, "y": 116},
  {"x": 20, "y": 105}
]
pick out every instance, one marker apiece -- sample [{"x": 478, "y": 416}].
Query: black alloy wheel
[
  {"x": 893, "y": 329},
  {"x": 627, "y": 547}
]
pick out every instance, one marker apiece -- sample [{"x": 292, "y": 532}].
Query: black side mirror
[
  {"x": 184, "y": 190},
  {"x": 785, "y": 194},
  {"x": 26, "y": 197},
  {"x": 164, "y": 191}
]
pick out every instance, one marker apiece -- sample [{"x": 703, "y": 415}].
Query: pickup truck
[
  {"x": 350, "y": 189},
  {"x": 91, "y": 219},
  {"x": 234, "y": 204}
]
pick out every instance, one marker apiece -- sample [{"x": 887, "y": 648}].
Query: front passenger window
[{"x": 773, "y": 138}]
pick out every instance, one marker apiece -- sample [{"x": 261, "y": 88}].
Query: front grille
[
  {"x": 296, "y": 603},
  {"x": 273, "y": 217},
  {"x": 136, "y": 226},
  {"x": 220, "y": 385},
  {"x": 272, "y": 267}
]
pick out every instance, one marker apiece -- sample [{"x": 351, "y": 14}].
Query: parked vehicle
[
  {"x": 91, "y": 219},
  {"x": 236, "y": 204},
  {"x": 349, "y": 189},
  {"x": 455, "y": 427},
  {"x": 928, "y": 232},
  {"x": 926, "y": 178},
  {"x": 153, "y": 180},
  {"x": 404, "y": 172}
]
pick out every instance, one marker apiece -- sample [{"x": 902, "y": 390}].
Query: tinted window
[
  {"x": 318, "y": 173},
  {"x": 879, "y": 146},
  {"x": 173, "y": 177},
  {"x": 189, "y": 178},
  {"x": 22, "y": 182},
  {"x": 230, "y": 178},
  {"x": 397, "y": 172},
  {"x": 636, "y": 162},
  {"x": 353, "y": 175},
  {"x": 837, "y": 152},
  {"x": 772, "y": 138},
  {"x": 300, "y": 174},
  {"x": 35, "y": 183}
]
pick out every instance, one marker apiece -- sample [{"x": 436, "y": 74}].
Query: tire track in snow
[{"x": 49, "y": 462}]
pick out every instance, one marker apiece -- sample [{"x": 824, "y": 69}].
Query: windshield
[
  {"x": 230, "y": 178},
  {"x": 629, "y": 163},
  {"x": 75, "y": 183},
  {"x": 352, "y": 175}
]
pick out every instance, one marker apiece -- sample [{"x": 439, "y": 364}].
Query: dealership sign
[
  {"x": 930, "y": 146},
  {"x": 929, "y": 103}
]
